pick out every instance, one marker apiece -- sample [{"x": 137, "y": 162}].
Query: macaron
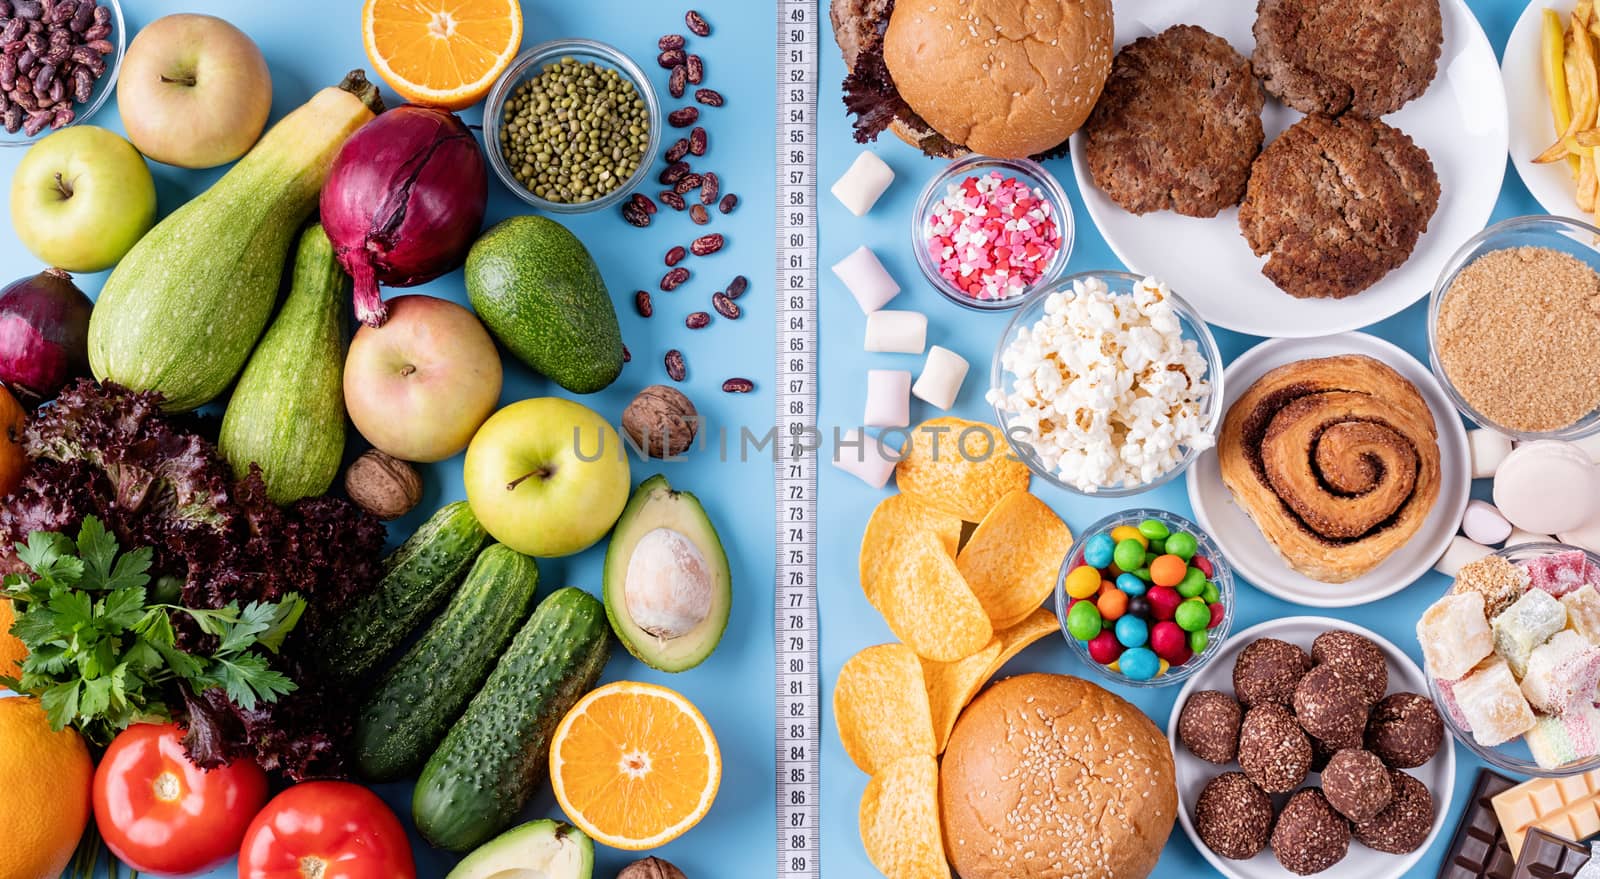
[{"x": 1548, "y": 487}]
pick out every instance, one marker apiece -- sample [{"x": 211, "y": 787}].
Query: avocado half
[
  {"x": 543, "y": 849},
  {"x": 679, "y": 578}
]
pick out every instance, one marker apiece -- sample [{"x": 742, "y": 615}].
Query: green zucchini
[
  {"x": 182, "y": 310},
  {"x": 286, "y": 414},
  {"x": 417, "y": 579},
  {"x": 414, "y": 704},
  {"x": 486, "y": 769}
]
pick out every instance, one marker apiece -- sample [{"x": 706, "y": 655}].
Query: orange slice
[
  {"x": 442, "y": 53},
  {"x": 634, "y": 765}
]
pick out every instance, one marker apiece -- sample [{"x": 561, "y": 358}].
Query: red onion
[
  {"x": 44, "y": 335},
  {"x": 403, "y": 202}
]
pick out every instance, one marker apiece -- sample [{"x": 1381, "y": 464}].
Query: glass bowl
[
  {"x": 1026, "y": 171},
  {"x": 103, "y": 87},
  {"x": 1221, "y": 575},
  {"x": 1514, "y": 755},
  {"x": 523, "y": 68},
  {"x": 1194, "y": 327},
  {"x": 1572, "y": 237}
]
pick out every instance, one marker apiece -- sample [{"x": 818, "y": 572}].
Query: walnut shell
[
  {"x": 661, "y": 421},
  {"x": 383, "y": 485},
  {"x": 651, "y": 868}
]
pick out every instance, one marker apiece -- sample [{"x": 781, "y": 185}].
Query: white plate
[
  {"x": 1460, "y": 121},
  {"x": 1254, "y": 559},
  {"x": 1532, "y": 127},
  {"x": 1438, "y": 774}
]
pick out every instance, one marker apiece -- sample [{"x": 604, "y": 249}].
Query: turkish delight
[
  {"x": 1493, "y": 704},
  {"x": 1500, "y": 583},
  {"x": 1562, "y": 673},
  {"x": 1556, "y": 741},
  {"x": 1583, "y": 612},
  {"x": 1454, "y": 634},
  {"x": 1560, "y": 572},
  {"x": 1526, "y": 624}
]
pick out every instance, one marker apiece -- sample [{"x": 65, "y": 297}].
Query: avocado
[
  {"x": 667, "y": 586},
  {"x": 543, "y": 849},
  {"x": 539, "y": 292}
]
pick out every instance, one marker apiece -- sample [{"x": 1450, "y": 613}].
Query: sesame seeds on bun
[{"x": 1049, "y": 775}]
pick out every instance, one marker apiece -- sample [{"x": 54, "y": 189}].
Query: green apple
[
  {"x": 547, "y": 477},
  {"x": 81, "y": 198}
]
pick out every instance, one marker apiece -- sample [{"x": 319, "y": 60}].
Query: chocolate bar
[
  {"x": 1568, "y": 807},
  {"x": 1547, "y": 856},
  {"x": 1478, "y": 850}
]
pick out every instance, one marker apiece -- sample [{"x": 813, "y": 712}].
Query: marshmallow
[
  {"x": 1459, "y": 554},
  {"x": 941, "y": 378},
  {"x": 866, "y": 279},
  {"x": 1482, "y": 523},
  {"x": 1519, "y": 537},
  {"x": 1548, "y": 487},
  {"x": 888, "y": 398},
  {"x": 1488, "y": 450},
  {"x": 860, "y": 186},
  {"x": 865, "y": 458},
  {"x": 897, "y": 332}
]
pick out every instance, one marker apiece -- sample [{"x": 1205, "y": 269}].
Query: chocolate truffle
[
  {"x": 1273, "y": 751},
  {"x": 1356, "y": 783},
  {"x": 1331, "y": 706},
  {"x": 1403, "y": 825},
  {"x": 1355, "y": 657},
  {"x": 1321, "y": 753},
  {"x": 1208, "y": 726},
  {"x": 1404, "y": 729},
  {"x": 1267, "y": 670},
  {"x": 1310, "y": 836},
  {"x": 1233, "y": 816}
]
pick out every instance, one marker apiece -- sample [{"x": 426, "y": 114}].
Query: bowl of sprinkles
[{"x": 989, "y": 231}]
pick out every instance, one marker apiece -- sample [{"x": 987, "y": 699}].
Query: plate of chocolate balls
[{"x": 1310, "y": 746}]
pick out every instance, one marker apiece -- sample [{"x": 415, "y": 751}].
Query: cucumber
[
  {"x": 414, "y": 704},
  {"x": 286, "y": 414},
  {"x": 486, "y": 769},
  {"x": 417, "y": 578},
  {"x": 182, "y": 310}
]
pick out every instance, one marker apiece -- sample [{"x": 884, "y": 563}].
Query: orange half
[
  {"x": 634, "y": 765},
  {"x": 442, "y": 53}
]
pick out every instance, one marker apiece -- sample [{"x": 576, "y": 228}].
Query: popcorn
[
  {"x": 1454, "y": 634},
  {"x": 1583, "y": 612},
  {"x": 1104, "y": 387},
  {"x": 1493, "y": 704},
  {"x": 1556, "y": 741},
  {"x": 1562, "y": 673},
  {"x": 1525, "y": 625}
]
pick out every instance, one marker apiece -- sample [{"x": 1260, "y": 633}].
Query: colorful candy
[
  {"x": 1083, "y": 581},
  {"x": 992, "y": 236}
]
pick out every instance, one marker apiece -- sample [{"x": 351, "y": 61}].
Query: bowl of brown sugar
[{"x": 1514, "y": 328}]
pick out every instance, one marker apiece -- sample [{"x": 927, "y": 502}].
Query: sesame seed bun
[
  {"x": 1003, "y": 78},
  {"x": 1049, "y": 775}
]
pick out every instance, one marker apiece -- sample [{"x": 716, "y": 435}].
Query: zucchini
[
  {"x": 286, "y": 414},
  {"x": 486, "y": 769},
  {"x": 182, "y": 310},
  {"x": 417, "y": 578},
  {"x": 414, "y": 704}
]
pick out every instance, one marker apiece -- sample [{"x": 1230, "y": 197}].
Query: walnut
[
  {"x": 383, "y": 485},
  {"x": 651, "y": 868},
  {"x": 661, "y": 421}
]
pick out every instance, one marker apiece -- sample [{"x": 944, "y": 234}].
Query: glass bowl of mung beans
[{"x": 571, "y": 126}]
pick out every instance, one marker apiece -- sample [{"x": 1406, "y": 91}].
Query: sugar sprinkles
[{"x": 991, "y": 236}]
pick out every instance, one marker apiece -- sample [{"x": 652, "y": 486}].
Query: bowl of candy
[
  {"x": 1146, "y": 598},
  {"x": 1512, "y": 654}
]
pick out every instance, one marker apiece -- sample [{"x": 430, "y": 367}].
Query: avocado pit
[{"x": 668, "y": 585}]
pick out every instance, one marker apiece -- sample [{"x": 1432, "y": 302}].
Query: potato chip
[
  {"x": 927, "y": 604},
  {"x": 961, "y": 467},
  {"x": 951, "y": 685},
  {"x": 1013, "y": 639},
  {"x": 880, "y": 703},
  {"x": 1013, "y": 558},
  {"x": 895, "y": 517},
  {"x": 900, "y": 821}
]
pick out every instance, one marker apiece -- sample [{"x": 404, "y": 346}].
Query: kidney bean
[
  {"x": 725, "y": 306},
  {"x": 728, "y": 203},
  {"x": 677, "y": 370},
  {"x": 670, "y": 41},
  {"x": 644, "y": 202},
  {"x": 738, "y": 386},
  {"x": 709, "y": 97},
  {"x": 697, "y": 23},
  {"x": 683, "y": 117},
  {"x": 674, "y": 279},
  {"x": 677, "y": 81},
  {"x": 706, "y": 245},
  {"x": 672, "y": 200},
  {"x": 674, "y": 172},
  {"x": 675, "y": 256},
  {"x": 695, "y": 67},
  {"x": 641, "y": 303},
  {"x": 670, "y": 58},
  {"x": 697, "y": 320},
  {"x": 677, "y": 151},
  {"x": 688, "y": 182},
  {"x": 737, "y": 286},
  {"x": 698, "y": 214},
  {"x": 708, "y": 187},
  {"x": 698, "y": 141}
]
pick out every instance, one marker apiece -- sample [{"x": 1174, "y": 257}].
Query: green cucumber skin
[
  {"x": 486, "y": 769},
  {"x": 414, "y": 704},
  {"x": 418, "y": 577},
  {"x": 287, "y": 411}
]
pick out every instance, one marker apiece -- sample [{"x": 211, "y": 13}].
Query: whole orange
[
  {"x": 12, "y": 419},
  {"x": 46, "y": 777}
]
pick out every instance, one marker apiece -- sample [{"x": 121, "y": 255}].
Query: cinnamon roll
[{"x": 1336, "y": 460}]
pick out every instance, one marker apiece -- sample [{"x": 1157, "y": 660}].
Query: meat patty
[
  {"x": 1367, "y": 57},
  {"x": 1336, "y": 204},
  {"x": 1177, "y": 126}
]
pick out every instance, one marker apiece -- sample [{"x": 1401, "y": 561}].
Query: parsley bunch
[{"x": 103, "y": 654}]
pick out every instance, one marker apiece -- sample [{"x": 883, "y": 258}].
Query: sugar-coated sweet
[
  {"x": 1170, "y": 642},
  {"x": 1233, "y": 817},
  {"x": 1199, "y": 640},
  {"x": 1404, "y": 730},
  {"x": 1097, "y": 550},
  {"x": 1082, "y": 582},
  {"x": 1192, "y": 615},
  {"x": 1163, "y": 601},
  {"x": 1131, "y": 631},
  {"x": 1403, "y": 825},
  {"x": 1193, "y": 583},
  {"x": 1526, "y": 624},
  {"x": 1499, "y": 581},
  {"x": 1267, "y": 670},
  {"x": 1132, "y": 585},
  {"x": 1563, "y": 673},
  {"x": 1447, "y": 698},
  {"x": 1104, "y": 648},
  {"x": 1208, "y": 725},
  {"x": 1482, "y": 523},
  {"x": 1560, "y": 572},
  {"x": 1557, "y": 740},
  {"x": 1112, "y": 603},
  {"x": 1454, "y": 634},
  {"x": 1331, "y": 706},
  {"x": 1184, "y": 546},
  {"x": 1356, "y": 783},
  {"x": 1084, "y": 620},
  {"x": 1355, "y": 657},
  {"x": 1140, "y": 664},
  {"x": 1310, "y": 836},
  {"x": 1493, "y": 704},
  {"x": 1583, "y": 612},
  {"x": 1273, "y": 750},
  {"x": 1155, "y": 529}
]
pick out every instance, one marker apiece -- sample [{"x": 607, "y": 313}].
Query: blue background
[{"x": 310, "y": 44}]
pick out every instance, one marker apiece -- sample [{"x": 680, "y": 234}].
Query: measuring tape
[{"x": 798, "y": 730}]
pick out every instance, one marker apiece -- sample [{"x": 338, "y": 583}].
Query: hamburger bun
[
  {"x": 1003, "y": 78},
  {"x": 1048, "y": 776}
]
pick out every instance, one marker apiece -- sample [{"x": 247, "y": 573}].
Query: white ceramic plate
[
  {"x": 1460, "y": 121},
  {"x": 1532, "y": 127},
  {"x": 1254, "y": 559},
  {"x": 1438, "y": 774}
]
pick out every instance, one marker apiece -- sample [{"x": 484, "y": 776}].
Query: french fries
[{"x": 1570, "y": 56}]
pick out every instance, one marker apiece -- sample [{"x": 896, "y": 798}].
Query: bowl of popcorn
[
  {"x": 1107, "y": 384},
  {"x": 1512, "y": 654}
]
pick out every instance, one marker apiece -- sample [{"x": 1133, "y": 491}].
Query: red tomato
[
  {"x": 326, "y": 830},
  {"x": 160, "y": 813}
]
